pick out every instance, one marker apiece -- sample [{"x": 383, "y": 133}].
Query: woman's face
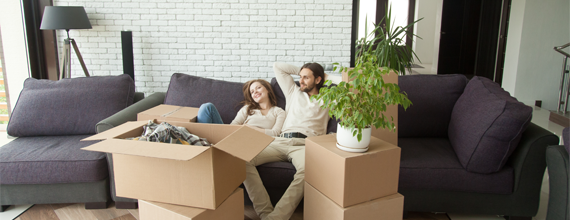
[{"x": 258, "y": 92}]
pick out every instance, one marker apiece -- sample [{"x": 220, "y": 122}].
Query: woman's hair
[{"x": 248, "y": 100}]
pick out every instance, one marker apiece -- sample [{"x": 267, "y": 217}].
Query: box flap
[
  {"x": 116, "y": 131},
  {"x": 245, "y": 143},
  {"x": 183, "y": 112},
  {"x": 147, "y": 149},
  {"x": 161, "y": 110}
]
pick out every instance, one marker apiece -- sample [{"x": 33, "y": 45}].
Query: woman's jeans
[{"x": 209, "y": 114}]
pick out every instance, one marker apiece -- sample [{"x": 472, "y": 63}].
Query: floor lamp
[{"x": 66, "y": 18}]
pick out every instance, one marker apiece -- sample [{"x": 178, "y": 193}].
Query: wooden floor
[{"x": 78, "y": 211}]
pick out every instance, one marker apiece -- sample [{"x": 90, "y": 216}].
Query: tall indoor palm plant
[{"x": 387, "y": 43}]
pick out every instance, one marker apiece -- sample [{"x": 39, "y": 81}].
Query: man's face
[{"x": 307, "y": 81}]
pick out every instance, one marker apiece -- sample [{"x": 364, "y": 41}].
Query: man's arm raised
[{"x": 283, "y": 72}]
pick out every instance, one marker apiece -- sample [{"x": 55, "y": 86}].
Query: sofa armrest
[
  {"x": 558, "y": 172},
  {"x": 138, "y": 96},
  {"x": 130, "y": 113},
  {"x": 529, "y": 158}
]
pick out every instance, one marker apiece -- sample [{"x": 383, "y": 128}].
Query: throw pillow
[
  {"x": 71, "y": 106},
  {"x": 486, "y": 126}
]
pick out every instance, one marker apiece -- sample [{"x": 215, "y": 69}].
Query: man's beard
[{"x": 308, "y": 88}]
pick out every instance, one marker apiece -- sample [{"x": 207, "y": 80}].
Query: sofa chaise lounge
[{"x": 45, "y": 164}]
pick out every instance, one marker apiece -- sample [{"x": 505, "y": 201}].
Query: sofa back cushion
[
  {"x": 486, "y": 126},
  {"x": 71, "y": 106},
  {"x": 433, "y": 98},
  {"x": 193, "y": 91},
  {"x": 281, "y": 102}
]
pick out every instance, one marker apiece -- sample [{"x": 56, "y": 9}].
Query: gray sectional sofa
[
  {"x": 45, "y": 163},
  {"x": 467, "y": 146},
  {"x": 559, "y": 179}
]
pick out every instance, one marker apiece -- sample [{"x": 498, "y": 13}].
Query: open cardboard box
[
  {"x": 169, "y": 113},
  {"x": 318, "y": 206},
  {"x": 231, "y": 209},
  {"x": 352, "y": 178},
  {"x": 186, "y": 175}
]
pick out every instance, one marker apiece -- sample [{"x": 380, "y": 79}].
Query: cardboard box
[
  {"x": 318, "y": 206},
  {"x": 231, "y": 209},
  {"x": 391, "y": 111},
  {"x": 169, "y": 113},
  {"x": 352, "y": 178},
  {"x": 186, "y": 175}
]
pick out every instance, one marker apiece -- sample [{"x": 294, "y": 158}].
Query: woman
[{"x": 260, "y": 110}]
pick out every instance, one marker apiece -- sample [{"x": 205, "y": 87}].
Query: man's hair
[
  {"x": 248, "y": 100},
  {"x": 318, "y": 70}
]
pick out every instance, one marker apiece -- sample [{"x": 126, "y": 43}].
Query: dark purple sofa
[{"x": 467, "y": 146}]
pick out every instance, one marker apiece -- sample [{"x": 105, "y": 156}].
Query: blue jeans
[{"x": 209, "y": 114}]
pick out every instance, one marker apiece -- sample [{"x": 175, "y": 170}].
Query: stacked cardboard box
[
  {"x": 189, "y": 182},
  {"x": 344, "y": 185},
  {"x": 231, "y": 209}
]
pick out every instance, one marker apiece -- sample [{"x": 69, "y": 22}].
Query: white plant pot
[{"x": 346, "y": 142}]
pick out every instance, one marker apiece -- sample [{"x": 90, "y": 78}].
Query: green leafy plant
[{"x": 361, "y": 103}]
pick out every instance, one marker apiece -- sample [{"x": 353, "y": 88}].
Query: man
[{"x": 305, "y": 118}]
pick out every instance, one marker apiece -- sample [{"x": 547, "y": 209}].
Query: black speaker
[{"x": 128, "y": 57}]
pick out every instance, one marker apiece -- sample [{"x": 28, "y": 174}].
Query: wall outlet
[{"x": 538, "y": 103}]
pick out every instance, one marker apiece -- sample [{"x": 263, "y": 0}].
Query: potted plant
[{"x": 361, "y": 103}]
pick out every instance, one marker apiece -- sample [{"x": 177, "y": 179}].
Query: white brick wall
[{"x": 233, "y": 40}]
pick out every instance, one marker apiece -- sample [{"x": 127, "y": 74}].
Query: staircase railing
[{"x": 564, "y": 80}]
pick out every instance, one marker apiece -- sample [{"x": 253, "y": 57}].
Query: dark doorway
[
  {"x": 473, "y": 38},
  {"x": 42, "y": 44}
]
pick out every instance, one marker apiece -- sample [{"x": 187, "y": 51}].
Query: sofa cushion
[
  {"x": 486, "y": 126},
  {"x": 281, "y": 102},
  {"x": 431, "y": 164},
  {"x": 193, "y": 91},
  {"x": 276, "y": 174},
  {"x": 70, "y": 106},
  {"x": 433, "y": 98},
  {"x": 51, "y": 159}
]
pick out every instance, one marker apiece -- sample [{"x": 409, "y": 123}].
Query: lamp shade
[{"x": 65, "y": 17}]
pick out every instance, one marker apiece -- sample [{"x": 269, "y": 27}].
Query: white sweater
[
  {"x": 303, "y": 115},
  {"x": 271, "y": 122}
]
